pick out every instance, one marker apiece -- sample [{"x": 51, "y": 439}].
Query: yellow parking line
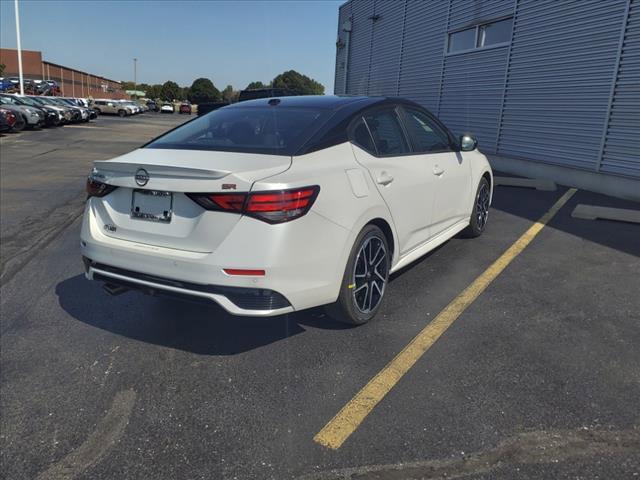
[{"x": 347, "y": 420}]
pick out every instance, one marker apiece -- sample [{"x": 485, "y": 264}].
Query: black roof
[
  {"x": 344, "y": 109},
  {"x": 312, "y": 101}
]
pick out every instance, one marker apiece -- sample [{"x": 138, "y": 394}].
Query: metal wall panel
[
  {"x": 360, "y": 48},
  {"x": 621, "y": 149},
  {"x": 471, "y": 94},
  {"x": 558, "y": 82},
  {"x": 469, "y": 12},
  {"x": 341, "y": 52},
  {"x": 422, "y": 52},
  {"x": 570, "y": 75},
  {"x": 386, "y": 47}
]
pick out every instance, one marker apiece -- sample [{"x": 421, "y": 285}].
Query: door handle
[
  {"x": 384, "y": 178},
  {"x": 437, "y": 170}
]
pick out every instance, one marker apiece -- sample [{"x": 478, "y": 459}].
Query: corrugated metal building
[{"x": 551, "y": 88}]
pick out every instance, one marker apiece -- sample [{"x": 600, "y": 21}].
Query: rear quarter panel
[{"x": 347, "y": 197}]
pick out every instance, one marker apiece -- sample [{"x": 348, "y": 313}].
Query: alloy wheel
[
  {"x": 370, "y": 274},
  {"x": 482, "y": 206}
]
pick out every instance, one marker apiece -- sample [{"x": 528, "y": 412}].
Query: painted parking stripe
[{"x": 349, "y": 418}]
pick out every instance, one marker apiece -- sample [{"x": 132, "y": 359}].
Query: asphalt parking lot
[{"x": 539, "y": 377}]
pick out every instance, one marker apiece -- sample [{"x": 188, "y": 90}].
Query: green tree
[
  {"x": 229, "y": 94},
  {"x": 169, "y": 91},
  {"x": 2, "y": 67},
  {"x": 154, "y": 91},
  {"x": 128, "y": 86},
  {"x": 203, "y": 90},
  {"x": 298, "y": 83},
  {"x": 256, "y": 85}
]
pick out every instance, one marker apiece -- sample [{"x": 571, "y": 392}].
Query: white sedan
[
  {"x": 271, "y": 206},
  {"x": 166, "y": 108}
]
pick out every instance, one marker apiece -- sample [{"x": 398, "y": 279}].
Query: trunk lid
[{"x": 146, "y": 175}]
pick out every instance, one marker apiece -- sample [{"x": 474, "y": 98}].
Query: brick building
[{"x": 72, "y": 82}]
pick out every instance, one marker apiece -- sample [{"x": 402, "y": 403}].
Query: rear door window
[{"x": 388, "y": 136}]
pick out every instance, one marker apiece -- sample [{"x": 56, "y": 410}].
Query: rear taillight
[
  {"x": 276, "y": 206},
  {"x": 98, "y": 189}
]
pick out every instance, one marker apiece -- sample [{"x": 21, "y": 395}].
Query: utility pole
[
  {"x": 135, "y": 75},
  {"x": 19, "y": 49}
]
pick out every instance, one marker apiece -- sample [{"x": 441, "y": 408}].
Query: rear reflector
[
  {"x": 249, "y": 273},
  {"x": 276, "y": 206}
]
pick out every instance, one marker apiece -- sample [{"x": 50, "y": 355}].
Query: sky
[{"x": 230, "y": 42}]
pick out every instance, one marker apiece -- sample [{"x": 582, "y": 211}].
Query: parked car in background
[
  {"x": 67, "y": 113},
  {"x": 283, "y": 204},
  {"x": 5, "y": 84},
  {"x": 131, "y": 107},
  {"x": 54, "y": 88},
  {"x": 110, "y": 107},
  {"x": 76, "y": 113},
  {"x": 52, "y": 117},
  {"x": 84, "y": 112},
  {"x": 167, "y": 108},
  {"x": 7, "y": 120},
  {"x": 33, "y": 117},
  {"x": 153, "y": 106},
  {"x": 185, "y": 108},
  {"x": 14, "y": 120}
]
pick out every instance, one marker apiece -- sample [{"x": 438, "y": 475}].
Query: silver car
[{"x": 33, "y": 117}]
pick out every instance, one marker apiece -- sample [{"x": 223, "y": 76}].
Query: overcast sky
[{"x": 230, "y": 42}]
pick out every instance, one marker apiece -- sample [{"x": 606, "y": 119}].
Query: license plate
[{"x": 152, "y": 205}]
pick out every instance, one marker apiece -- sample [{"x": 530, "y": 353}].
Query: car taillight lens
[
  {"x": 98, "y": 189},
  {"x": 276, "y": 206}
]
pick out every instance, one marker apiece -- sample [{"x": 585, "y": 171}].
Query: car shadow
[
  {"x": 194, "y": 327},
  {"x": 531, "y": 204}
]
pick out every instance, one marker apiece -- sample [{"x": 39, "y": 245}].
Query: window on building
[
  {"x": 425, "y": 134},
  {"x": 480, "y": 36},
  {"x": 462, "y": 40},
  {"x": 496, "y": 32},
  {"x": 387, "y": 133}
]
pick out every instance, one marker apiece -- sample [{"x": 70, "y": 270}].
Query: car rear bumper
[
  {"x": 303, "y": 261},
  {"x": 235, "y": 300}
]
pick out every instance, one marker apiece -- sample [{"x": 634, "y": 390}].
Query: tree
[
  {"x": 2, "y": 67},
  {"x": 169, "y": 91},
  {"x": 229, "y": 94},
  {"x": 298, "y": 83},
  {"x": 202, "y": 90},
  {"x": 256, "y": 85},
  {"x": 128, "y": 86},
  {"x": 154, "y": 91}
]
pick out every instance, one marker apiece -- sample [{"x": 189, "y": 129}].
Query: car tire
[
  {"x": 122, "y": 113},
  {"x": 362, "y": 289},
  {"x": 480, "y": 210}
]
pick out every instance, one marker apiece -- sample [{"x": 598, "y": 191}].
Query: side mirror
[{"x": 468, "y": 142}]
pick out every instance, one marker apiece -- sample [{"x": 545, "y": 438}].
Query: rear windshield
[{"x": 269, "y": 130}]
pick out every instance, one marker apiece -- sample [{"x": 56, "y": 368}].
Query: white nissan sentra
[{"x": 271, "y": 206}]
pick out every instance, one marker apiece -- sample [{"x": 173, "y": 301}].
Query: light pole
[
  {"x": 135, "y": 79},
  {"x": 19, "y": 49}
]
